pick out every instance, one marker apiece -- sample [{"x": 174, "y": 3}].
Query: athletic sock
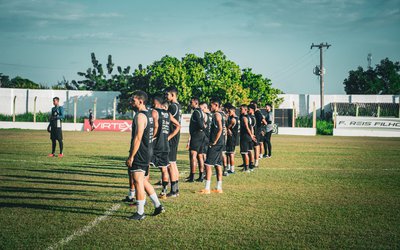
[
  {"x": 61, "y": 144},
  {"x": 155, "y": 200},
  {"x": 201, "y": 175},
  {"x": 177, "y": 186},
  {"x": 191, "y": 176},
  {"x": 208, "y": 185},
  {"x": 219, "y": 185},
  {"x": 246, "y": 167},
  {"x": 140, "y": 206},
  {"x": 164, "y": 186},
  {"x": 173, "y": 186},
  {"x": 131, "y": 193},
  {"x": 233, "y": 168},
  {"x": 256, "y": 164}
]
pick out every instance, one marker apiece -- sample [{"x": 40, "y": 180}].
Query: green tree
[
  {"x": 384, "y": 79},
  {"x": 4, "y": 81},
  {"x": 20, "y": 83}
]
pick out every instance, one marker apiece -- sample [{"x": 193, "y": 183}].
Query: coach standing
[
  {"x": 57, "y": 114},
  {"x": 267, "y": 138}
]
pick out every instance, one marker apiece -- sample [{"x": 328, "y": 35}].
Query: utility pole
[{"x": 321, "y": 72}]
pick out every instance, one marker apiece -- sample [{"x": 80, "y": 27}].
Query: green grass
[{"x": 316, "y": 192}]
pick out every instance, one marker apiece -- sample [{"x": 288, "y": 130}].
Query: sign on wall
[
  {"x": 367, "y": 126},
  {"x": 109, "y": 125}
]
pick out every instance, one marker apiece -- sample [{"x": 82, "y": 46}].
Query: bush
[
  {"x": 304, "y": 122},
  {"x": 324, "y": 127}
]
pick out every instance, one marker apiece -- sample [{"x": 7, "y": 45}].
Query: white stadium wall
[{"x": 44, "y": 102}]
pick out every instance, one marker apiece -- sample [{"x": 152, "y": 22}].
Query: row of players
[{"x": 213, "y": 137}]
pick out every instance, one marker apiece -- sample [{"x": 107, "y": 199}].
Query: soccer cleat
[
  {"x": 205, "y": 191},
  {"x": 231, "y": 172},
  {"x": 162, "y": 196},
  {"x": 158, "y": 210},
  {"x": 137, "y": 216},
  {"x": 50, "y": 155},
  {"x": 200, "y": 179},
  {"x": 217, "y": 191},
  {"x": 127, "y": 199},
  {"x": 171, "y": 195},
  {"x": 190, "y": 180},
  {"x": 265, "y": 156},
  {"x": 269, "y": 156},
  {"x": 61, "y": 155},
  {"x": 225, "y": 173}
]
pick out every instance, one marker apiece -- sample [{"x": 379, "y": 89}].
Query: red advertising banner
[{"x": 109, "y": 125}]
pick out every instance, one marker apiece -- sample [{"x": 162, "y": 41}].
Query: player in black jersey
[
  {"x": 214, "y": 152},
  {"x": 174, "y": 109},
  {"x": 139, "y": 156},
  {"x": 260, "y": 122},
  {"x": 225, "y": 111},
  {"x": 232, "y": 131},
  {"x": 246, "y": 137},
  {"x": 162, "y": 119},
  {"x": 196, "y": 140},
  {"x": 207, "y": 127},
  {"x": 256, "y": 143}
]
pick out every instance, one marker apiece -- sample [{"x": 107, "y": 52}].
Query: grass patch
[{"x": 316, "y": 192}]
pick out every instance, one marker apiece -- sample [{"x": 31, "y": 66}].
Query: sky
[{"x": 47, "y": 40}]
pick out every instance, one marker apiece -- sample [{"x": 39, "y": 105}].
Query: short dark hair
[
  {"x": 243, "y": 106},
  {"x": 141, "y": 95},
  {"x": 158, "y": 98},
  {"x": 254, "y": 102},
  {"x": 227, "y": 105},
  {"x": 252, "y": 106},
  {"x": 232, "y": 107},
  {"x": 204, "y": 103},
  {"x": 268, "y": 104},
  {"x": 56, "y": 98},
  {"x": 216, "y": 100},
  {"x": 171, "y": 89},
  {"x": 195, "y": 98}
]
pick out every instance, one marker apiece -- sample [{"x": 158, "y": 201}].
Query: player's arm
[
  {"x": 231, "y": 125},
  {"x": 218, "y": 118},
  {"x": 141, "y": 125},
  {"x": 177, "y": 127},
  {"x": 246, "y": 125},
  {"x": 154, "y": 114},
  {"x": 61, "y": 113}
]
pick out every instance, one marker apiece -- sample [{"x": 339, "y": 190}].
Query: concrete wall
[
  {"x": 304, "y": 103},
  {"x": 44, "y": 103}
]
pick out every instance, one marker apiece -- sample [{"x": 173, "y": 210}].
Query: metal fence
[{"x": 366, "y": 109}]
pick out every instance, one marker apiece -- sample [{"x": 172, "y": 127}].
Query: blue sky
[{"x": 44, "y": 40}]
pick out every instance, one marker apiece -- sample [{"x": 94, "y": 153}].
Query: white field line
[{"x": 85, "y": 229}]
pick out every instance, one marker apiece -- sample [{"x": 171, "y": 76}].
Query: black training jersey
[
  {"x": 244, "y": 135},
  {"x": 196, "y": 122},
  {"x": 259, "y": 117},
  {"x": 207, "y": 128},
  {"x": 143, "y": 155},
  {"x": 175, "y": 110},
  {"x": 235, "y": 128},
  {"x": 160, "y": 142},
  {"x": 215, "y": 129},
  {"x": 252, "y": 119}
]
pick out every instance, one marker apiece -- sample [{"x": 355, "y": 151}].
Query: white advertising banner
[{"x": 367, "y": 126}]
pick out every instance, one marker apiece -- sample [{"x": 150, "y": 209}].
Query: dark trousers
[
  {"x": 54, "y": 143},
  {"x": 267, "y": 143}
]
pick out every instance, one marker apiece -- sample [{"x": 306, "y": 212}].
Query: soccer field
[{"x": 316, "y": 192}]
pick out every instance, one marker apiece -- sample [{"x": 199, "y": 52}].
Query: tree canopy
[
  {"x": 204, "y": 77},
  {"x": 19, "y": 83},
  {"x": 384, "y": 79}
]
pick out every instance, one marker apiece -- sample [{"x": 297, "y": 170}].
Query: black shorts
[
  {"x": 173, "y": 151},
  {"x": 160, "y": 159},
  {"x": 56, "y": 134},
  {"x": 139, "y": 168},
  {"x": 197, "y": 143},
  {"x": 230, "y": 145},
  {"x": 214, "y": 155},
  {"x": 204, "y": 147},
  {"x": 246, "y": 146}
]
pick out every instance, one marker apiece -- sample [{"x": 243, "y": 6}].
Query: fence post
[
  {"x": 34, "y": 109},
  {"x": 357, "y": 109},
  {"x": 273, "y": 113},
  {"x": 15, "y": 98},
  {"x": 334, "y": 114},
  {"x": 314, "y": 116},
  {"x": 114, "y": 107},
  {"x": 379, "y": 110},
  {"x": 294, "y": 116},
  {"x": 94, "y": 108},
  {"x": 75, "y": 104}
]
